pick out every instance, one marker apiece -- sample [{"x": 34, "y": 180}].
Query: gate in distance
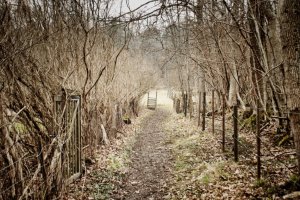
[{"x": 152, "y": 101}]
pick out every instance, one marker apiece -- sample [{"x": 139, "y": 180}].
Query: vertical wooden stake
[
  {"x": 235, "y": 133},
  {"x": 223, "y": 122},
  {"x": 213, "y": 111},
  {"x": 199, "y": 110},
  {"x": 185, "y": 103},
  {"x": 203, "y": 111},
  {"x": 258, "y": 141}
]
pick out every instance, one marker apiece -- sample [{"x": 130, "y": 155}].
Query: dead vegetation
[
  {"x": 50, "y": 48},
  {"x": 247, "y": 52},
  {"x": 203, "y": 171}
]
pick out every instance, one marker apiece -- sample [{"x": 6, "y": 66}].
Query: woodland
[{"x": 74, "y": 72}]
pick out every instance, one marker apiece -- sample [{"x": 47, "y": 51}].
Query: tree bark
[
  {"x": 290, "y": 37},
  {"x": 233, "y": 88},
  {"x": 256, "y": 39}
]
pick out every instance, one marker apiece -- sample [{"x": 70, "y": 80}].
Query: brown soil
[{"x": 150, "y": 165}]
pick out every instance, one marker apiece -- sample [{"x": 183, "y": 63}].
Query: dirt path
[
  {"x": 150, "y": 165},
  {"x": 163, "y": 155}
]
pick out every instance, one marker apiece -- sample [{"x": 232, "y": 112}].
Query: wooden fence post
[
  {"x": 213, "y": 111},
  {"x": 185, "y": 103},
  {"x": 258, "y": 141},
  {"x": 223, "y": 122},
  {"x": 235, "y": 133},
  {"x": 67, "y": 111},
  {"x": 203, "y": 111}
]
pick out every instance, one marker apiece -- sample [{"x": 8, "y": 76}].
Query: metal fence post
[
  {"x": 258, "y": 141},
  {"x": 235, "y": 133},
  {"x": 203, "y": 111},
  {"x": 185, "y": 103},
  {"x": 213, "y": 111},
  {"x": 223, "y": 122},
  {"x": 199, "y": 109}
]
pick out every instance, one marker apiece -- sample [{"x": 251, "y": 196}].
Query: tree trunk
[
  {"x": 114, "y": 120},
  {"x": 1, "y": 120},
  {"x": 199, "y": 16},
  {"x": 256, "y": 20},
  {"x": 274, "y": 55},
  {"x": 290, "y": 36},
  {"x": 234, "y": 94},
  {"x": 295, "y": 127},
  {"x": 233, "y": 88}
]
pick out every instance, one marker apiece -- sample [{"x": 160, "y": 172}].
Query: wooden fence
[
  {"x": 68, "y": 115},
  {"x": 180, "y": 104}
]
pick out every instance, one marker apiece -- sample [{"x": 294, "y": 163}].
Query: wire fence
[{"x": 234, "y": 127}]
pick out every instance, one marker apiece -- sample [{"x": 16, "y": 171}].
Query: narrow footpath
[
  {"x": 150, "y": 162},
  {"x": 164, "y": 155}
]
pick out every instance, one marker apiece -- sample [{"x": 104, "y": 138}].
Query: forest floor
[{"x": 164, "y": 155}]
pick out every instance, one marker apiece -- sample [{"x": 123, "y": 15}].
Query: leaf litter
[
  {"x": 203, "y": 171},
  {"x": 164, "y": 155}
]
